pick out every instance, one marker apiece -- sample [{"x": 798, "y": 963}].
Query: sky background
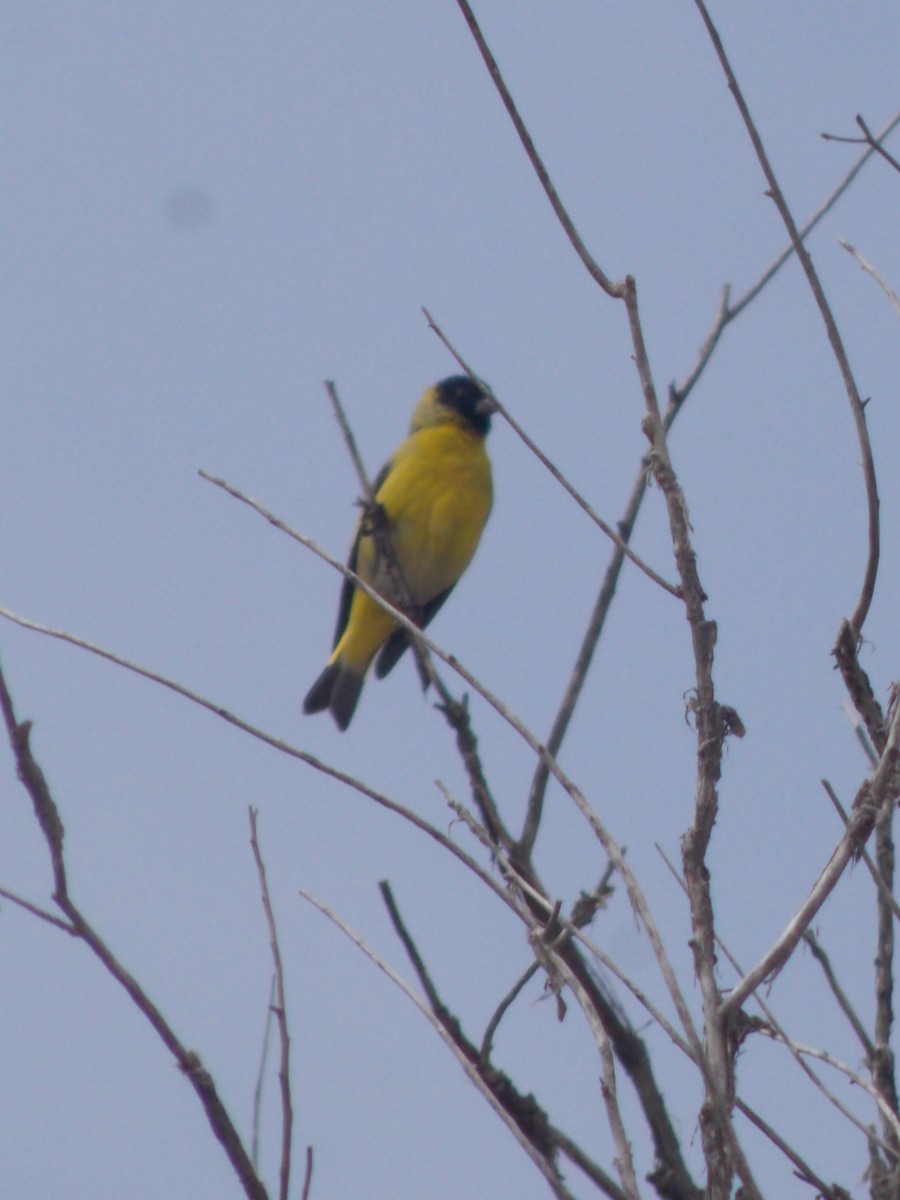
[{"x": 208, "y": 209}]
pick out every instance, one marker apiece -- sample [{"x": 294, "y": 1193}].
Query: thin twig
[
  {"x": 624, "y": 1161},
  {"x": 542, "y": 1160},
  {"x": 259, "y": 1087},
  {"x": 280, "y": 1009},
  {"x": 613, "y": 850},
  {"x": 611, "y": 533},
  {"x": 805, "y": 1171},
  {"x": 821, "y": 957},
  {"x": 37, "y": 911},
  {"x": 775, "y": 1030},
  {"x": 831, "y": 1060},
  {"x": 487, "y": 1041},
  {"x": 876, "y": 275},
  {"x": 307, "y": 1178},
  {"x": 870, "y": 797},
  {"x": 49, "y": 819},
  {"x": 582, "y": 914},
  {"x": 873, "y": 141},
  {"x": 592, "y": 267},
  {"x": 857, "y": 407},
  {"x": 274, "y": 743},
  {"x": 886, "y": 894},
  {"x": 728, "y": 311}
]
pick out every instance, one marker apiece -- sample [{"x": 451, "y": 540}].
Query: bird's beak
[{"x": 487, "y": 406}]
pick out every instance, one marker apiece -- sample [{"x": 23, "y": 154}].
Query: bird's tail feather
[{"x": 338, "y": 689}]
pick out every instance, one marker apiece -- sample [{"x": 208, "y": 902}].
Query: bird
[{"x": 434, "y": 496}]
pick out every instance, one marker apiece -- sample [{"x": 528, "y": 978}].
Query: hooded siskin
[{"x": 436, "y": 493}]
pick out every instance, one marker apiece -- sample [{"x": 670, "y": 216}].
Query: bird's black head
[{"x": 460, "y": 394}]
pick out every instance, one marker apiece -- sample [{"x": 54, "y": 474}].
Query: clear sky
[{"x": 207, "y": 209}]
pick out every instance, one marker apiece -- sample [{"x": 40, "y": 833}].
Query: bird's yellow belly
[{"x": 437, "y": 501}]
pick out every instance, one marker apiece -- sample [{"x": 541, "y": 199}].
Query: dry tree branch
[
  {"x": 885, "y": 892},
  {"x": 523, "y": 1109},
  {"x": 261, "y": 1076},
  {"x": 830, "y": 1060},
  {"x": 875, "y": 791},
  {"x": 274, "y": 743},
  {"x": 728, "y": 311},
  {"x": 843, "y": 1001},
  {"x": 307, "y": 1178},
  {"x": 857, "y": 683},
  {"x": 613, "y": 850},
  {"x": 873, "y": 141},
  {"x": 880, "y": 1056},
  {"x": 881, "y": 1062},
  {"x": 804, "y": 1170},
  {"x": 614, "y": 537},
  {"x": 671, "y": 1167},
  {"x": 668, "y": 1153},
  {"x": 876, "y": 275},
  {"x": 678, "y": 394},
  {"x": 670, "y": 1176},
  {"x": 541, "y": 1155},
  {"x": 37, "y": 911},
  {"x": 48, "y": 817},
  {"x": 624, "y": 1161},
  {"x": 280, "y": 1010},
  {"x": 720, "y": 1140},
  {"x": 583, "y": 912},
  {"x": 722, "y": 1149},
  {"x": 856, "y": 404},
  {"x": 777, "y": 1032},
  {"x": 612, "y": 289}
]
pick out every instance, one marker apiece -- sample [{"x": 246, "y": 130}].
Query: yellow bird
[{"x": 436, "y": 494}]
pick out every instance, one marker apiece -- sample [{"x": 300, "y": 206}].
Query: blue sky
[{"x": 209, "y": 209}]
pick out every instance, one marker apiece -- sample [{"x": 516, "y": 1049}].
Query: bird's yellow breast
[{"x": 437, "y": 496}]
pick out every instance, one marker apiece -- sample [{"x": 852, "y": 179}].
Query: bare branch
[
  {"x": 876, "y": 275},
  {"x": 773, "y": 1028},
  {"x": 881, "y": 1060},
  {"x": 542, "y": 1157},
  {"x": 804, "y": 1170},
  {"x": 886, "y": 894},
  {"x": 832, "y": 1061},
  {"x": 614, "y": 537},
  {"x": 856, "y": 405},
  {"x": 593, "y": 269},
  {"x": 261, "y": 1076},
  {"x": 838, "y": 992},
  {"x": 189, "y": 1062},
  {"x": 307, "y": 1178},
  {"x": 875, "y": 791},
  {"x": 869, "y": 139},
  {"x": 280, "y": 1009},
  {"x": 37, "y": 911},
  {"x": 276, "y": 744},
  {"x": 624, "y": 1161}
]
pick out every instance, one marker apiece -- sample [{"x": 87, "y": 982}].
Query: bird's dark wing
[
  {"x": 348, "y": 589},
  {"x": 397, "y": 643}
]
